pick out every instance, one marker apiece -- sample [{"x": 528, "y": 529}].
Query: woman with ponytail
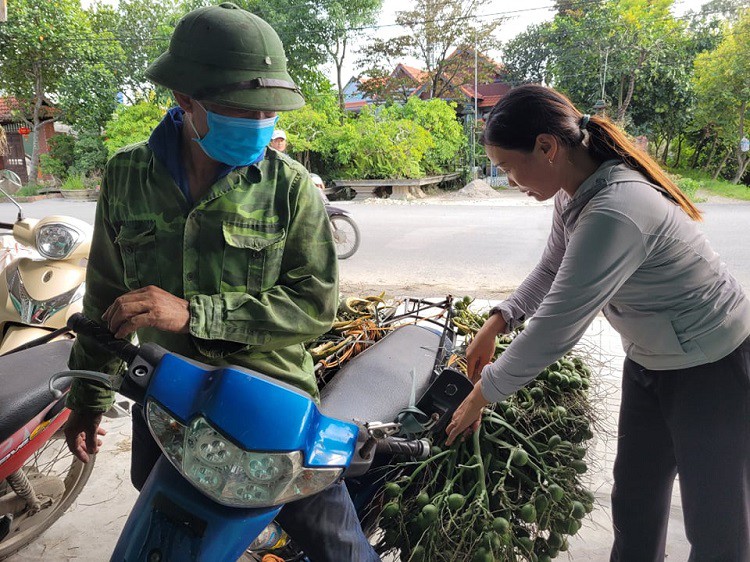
[{"x": 625, "y": 241}]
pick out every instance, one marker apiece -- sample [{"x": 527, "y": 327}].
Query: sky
[{"x": 519, "y": 15}]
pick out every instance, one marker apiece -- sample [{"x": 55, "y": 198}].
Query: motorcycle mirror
[{"x": 6, "y": 175}]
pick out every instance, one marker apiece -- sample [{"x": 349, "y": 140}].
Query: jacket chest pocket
[
  {"x": 137, "y": 243},
  {"x": 252, "y": 257}
]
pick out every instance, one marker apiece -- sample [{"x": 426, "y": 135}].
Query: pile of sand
[{"x": 478, "y": 189}]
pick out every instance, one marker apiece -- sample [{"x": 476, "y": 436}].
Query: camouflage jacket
[{"x": 254, "y": 257}]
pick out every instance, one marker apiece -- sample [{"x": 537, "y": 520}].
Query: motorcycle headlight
[
  {"x": 230, "y": 475},
  {"x": 56, "y": 241}
]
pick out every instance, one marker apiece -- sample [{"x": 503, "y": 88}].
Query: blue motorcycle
[{"x": 230, "y": 462}]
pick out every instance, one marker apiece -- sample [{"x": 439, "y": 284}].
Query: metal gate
[{"x": 15, "y": 159}]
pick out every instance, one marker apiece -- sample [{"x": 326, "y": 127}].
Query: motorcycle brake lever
[
  {"x": 380, "y": 430},
  {"x": 102, "y": 378}
]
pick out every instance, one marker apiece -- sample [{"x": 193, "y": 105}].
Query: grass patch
[
  {"x": 28, "y": 190},
  {"x": 699, "y": 179},
  {"x": 74, "y": 183}
]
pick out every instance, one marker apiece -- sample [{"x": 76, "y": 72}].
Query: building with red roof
[{"x": 455, "y": 84}]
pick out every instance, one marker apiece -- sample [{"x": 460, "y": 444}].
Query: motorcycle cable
[{"x": 40, "y": 341}]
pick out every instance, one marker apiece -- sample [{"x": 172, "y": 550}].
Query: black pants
[
  {"x": 325, "y": 525},
  {"x": 692, "y": 422}
]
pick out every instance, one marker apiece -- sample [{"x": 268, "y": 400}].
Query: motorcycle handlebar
[
  {"x": 82, "y": 325},
  {"x": 417, "y": 449}
]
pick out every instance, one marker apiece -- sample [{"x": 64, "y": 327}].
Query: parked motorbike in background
[
  {"x": 39, "y": 478},
  {"x": 344, "y": 229},
  {"x": 345, "y": 232}
]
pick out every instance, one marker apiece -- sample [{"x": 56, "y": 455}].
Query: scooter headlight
[
  {"x": 230, "y": 475},
  {"x": 57, "y": 241}
]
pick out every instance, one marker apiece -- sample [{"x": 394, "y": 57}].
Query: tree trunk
[
  {"x": 631, "y": 87},
  {"x": 36, "y": 121},
  {"x": 741, "y": 156},
  {"x": 679, "y": 151},
  {"x": 665, "y": 155},
  {"x": 626, "y": 102},
  {"x": 721, "y": 166},
  {"x": 698, "y": 149},
  {"x": 741, "y": 169},
  {"x": 657, "y": 145},
  {"x": 339, "y": 67},
  {"x": 711, "y": 153}
]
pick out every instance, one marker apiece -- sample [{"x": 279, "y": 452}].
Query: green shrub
[
  {"x": 74, "y": 182},
  {"x": 439, "y": 119},
  {"x": 688, "y": 186},
  {"x": 28, "y": 190},
  {"x": 131, "y": 124},
  {"x": 60, "y": 157},
  {"x": 376, "y": 147},
  {"x": 410, "y": 141},
  {"x": 90, "y": 155}
]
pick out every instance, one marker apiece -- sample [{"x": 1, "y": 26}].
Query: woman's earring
[{"x": 550, "y": 161}]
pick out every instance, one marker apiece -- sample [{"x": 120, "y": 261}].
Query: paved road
[{"x": 482, "y": 248}]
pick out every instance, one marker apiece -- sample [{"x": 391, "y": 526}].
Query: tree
[
  {"x": 343, "y": 18},
  {"x": 143, "y": 29},
  {"x": 48, "y": 48},
  {"x": 722, "y": 83},
  {"x": 526, "y": 57},
  {"x": 611, "y": 51},
  {"x": 611, "y": 47},
  {"x": 436, "y": 29}
]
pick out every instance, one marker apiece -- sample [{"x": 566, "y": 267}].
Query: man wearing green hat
[{"x": 213, "y": 247}]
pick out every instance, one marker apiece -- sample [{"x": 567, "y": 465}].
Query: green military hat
[{"x": 226, "y": 55}]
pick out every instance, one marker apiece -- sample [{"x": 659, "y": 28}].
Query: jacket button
[{"x": 190, "y": 276}]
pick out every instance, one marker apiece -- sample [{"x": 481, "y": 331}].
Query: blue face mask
[{"x": 235, "y": 141}]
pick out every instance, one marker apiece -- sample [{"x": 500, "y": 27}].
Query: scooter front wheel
[
  {"x": 57, "y": 478},
  {"x": 345, "y": 236}
]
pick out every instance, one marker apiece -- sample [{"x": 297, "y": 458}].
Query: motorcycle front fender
[
  {"x": 336, "y": 211},
  {"x": 172, "y": 521}
]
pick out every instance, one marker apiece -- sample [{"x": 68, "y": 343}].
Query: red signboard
[{"x": 24, "y": 131}]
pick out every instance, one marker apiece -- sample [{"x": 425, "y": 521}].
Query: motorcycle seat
[
  {"x": 377, "y": 384},
  {"x": 24, "y": 383}
]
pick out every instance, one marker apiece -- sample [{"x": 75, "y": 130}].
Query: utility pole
[{"x": 476, "y": 94}]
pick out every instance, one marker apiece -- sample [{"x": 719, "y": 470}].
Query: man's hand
[
  {"x": 466, "y": 418},
  {"x": 482, "y": 347},
  {"x": 148, "y": 307},
  {"x": 82, "y": 434}
]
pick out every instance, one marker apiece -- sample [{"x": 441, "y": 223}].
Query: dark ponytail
[{"x": 530, "y": 110}]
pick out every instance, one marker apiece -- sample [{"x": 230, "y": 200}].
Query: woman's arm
[
  {"x": 604, "y": 250},
  {"x": 525, "y": 300}
]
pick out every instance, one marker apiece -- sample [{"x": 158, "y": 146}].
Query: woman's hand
[
  {"x": 467, "y": 415},
  {"x": 482, "y": 347}
]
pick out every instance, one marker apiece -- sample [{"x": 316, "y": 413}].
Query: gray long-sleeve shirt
[{"x": 620, "y": 245}]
